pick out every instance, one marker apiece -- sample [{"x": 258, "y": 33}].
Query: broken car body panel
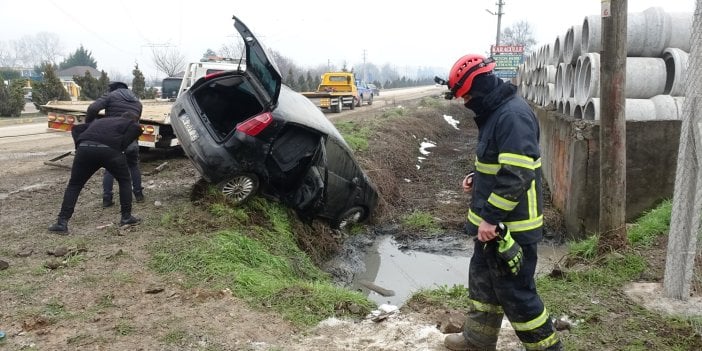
[{"x": 244, "y": 121}]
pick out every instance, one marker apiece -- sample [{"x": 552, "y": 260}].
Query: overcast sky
[{"x": 406, "y": 35}]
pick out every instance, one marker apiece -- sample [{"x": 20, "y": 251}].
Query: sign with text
[
  {"x": 508, "y": 61},
  {"x": 507, "y": 49},
  {"x": 505, "y": 73}
]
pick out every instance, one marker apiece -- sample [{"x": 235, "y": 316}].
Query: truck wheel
[
  {"x": 370, "y": 101},
  {"x": 339, "y": 106},
  {"x": 239, "y": 188},
  {"x": 353, "y": 104}
]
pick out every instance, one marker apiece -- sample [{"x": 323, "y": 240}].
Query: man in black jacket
[
  {"x": 505, "y": 190},
  {"x": 101, "y": 144},
  {"x": 117, "y": 101}
]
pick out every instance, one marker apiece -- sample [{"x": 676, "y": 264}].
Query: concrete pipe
[
  {"x": 645, "y": 78},
  {"x": 568, "y": 81},
  {"x": 557, "y": 49},
  {"x": 559, "y": 81},
  {"x": 569, "y": 109},
  {"x": 550, "y": 94},
  {"x": 573, "y": 46},
  {"x": 549, "y": 74},
  {"x": 591, "y": 40},
  {"x": 649, "y": 32},
  {"x": 661, "y": 107},
  {"x": 577, "y": 85},
  {"x": 578, "y": 112},
  {"x": 560, "y": 106},
  {"x": 676, "y": 68}
]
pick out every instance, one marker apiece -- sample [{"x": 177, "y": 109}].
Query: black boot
[
  {"x": 139, "y": 196},
  {"x": 129, "y": 219},
  {"x": 107, "y": 201},
  {"x": 60, "y": 227}
]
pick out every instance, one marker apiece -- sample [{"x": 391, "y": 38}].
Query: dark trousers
[
  {"x": 132, "y": 153},
  {"x": 515, "y": 296},
  {"x": 88, "y": 160}
]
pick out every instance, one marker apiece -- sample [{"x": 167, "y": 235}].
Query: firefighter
[{"x": 505, "y": 190}]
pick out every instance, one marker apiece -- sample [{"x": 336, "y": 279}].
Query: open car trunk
[{"x": 225, "y": 102}]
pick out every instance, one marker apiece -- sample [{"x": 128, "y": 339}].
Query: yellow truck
[{"x": 336, "y": 91}]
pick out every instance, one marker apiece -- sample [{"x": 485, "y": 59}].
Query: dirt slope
[{"x": 106, "y": 298}]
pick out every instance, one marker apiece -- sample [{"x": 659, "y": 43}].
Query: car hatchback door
[{"x": 260, "y": 65}]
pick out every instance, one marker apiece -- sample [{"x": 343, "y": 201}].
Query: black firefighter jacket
[{"x": 507, "y": 181}]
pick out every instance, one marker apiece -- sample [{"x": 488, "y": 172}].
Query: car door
[{"x": 260, "y": 66}]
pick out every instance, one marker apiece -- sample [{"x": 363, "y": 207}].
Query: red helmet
[{"x": 464, "y": 71}]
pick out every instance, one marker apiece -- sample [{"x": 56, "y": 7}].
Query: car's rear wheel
[
  {"x": 370, "y": 101},
  {"x": 352, "y": 216},
  {"x": 239, "y": 188}
]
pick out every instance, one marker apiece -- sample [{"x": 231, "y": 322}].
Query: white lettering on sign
[{"x": 506, "y": 49}]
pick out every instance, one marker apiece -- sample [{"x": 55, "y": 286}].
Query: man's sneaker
[
  {"x": 139, "y": 196},
  {"x": 60, "y": 227},
  {"x": 126, "y": 220},
  {"x": 107, "y": 202}
]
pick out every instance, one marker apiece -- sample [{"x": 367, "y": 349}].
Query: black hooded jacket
[
  {"x": 507, "y": 184},
  {"x": 115, "y": 103},
  {"x": 116, "y": 133}
]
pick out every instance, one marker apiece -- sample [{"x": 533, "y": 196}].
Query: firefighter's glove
[{"x": 509, "y": 253}]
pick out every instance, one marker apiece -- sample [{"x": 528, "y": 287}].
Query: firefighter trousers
[{"x": 494, "y": 295}]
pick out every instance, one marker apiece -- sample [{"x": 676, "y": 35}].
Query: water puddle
[{"x": 406, "y": 271}]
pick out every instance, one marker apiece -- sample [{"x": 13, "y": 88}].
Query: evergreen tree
[
  {"x": 81, "y": 57},
  {"x": 289, "y": 79},
  {"x": 302, "y": 84},
  {"x": 50, "y": 88},
  {"x": 310, "y": 82},
  {"x": 12, "y": 98},
  {"x": 138, "y": 83},
  {"x": 103, "y": 83},
  {"x": 89, "y": 86}
]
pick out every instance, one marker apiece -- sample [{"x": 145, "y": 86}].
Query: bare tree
[
  {"x": 46, "y": 47},
  {"x": 235, "y": 50},
  {"x": 168, "y": 60},
  {"x": 519, "y": 33}
]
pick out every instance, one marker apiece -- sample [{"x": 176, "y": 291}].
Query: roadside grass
[
  {"x": 591, "y": 295},
  {"x": 421, "y": 221},
  {"x": 258, "y": 259}
]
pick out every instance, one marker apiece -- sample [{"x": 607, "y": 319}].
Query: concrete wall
[{"x": 570, "y": 162}]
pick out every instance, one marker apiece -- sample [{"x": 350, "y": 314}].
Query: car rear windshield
[{"x": 261, "y": 70}]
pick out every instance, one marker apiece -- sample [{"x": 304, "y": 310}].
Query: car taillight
[
  {"x": 52, "y": 116},
  {"x": 70, "y": 119},
  {"x": 60, "y": 118},
  {"x": 256, "y": 124}
]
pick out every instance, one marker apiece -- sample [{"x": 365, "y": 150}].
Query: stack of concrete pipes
[{"x": 566, "y": 74}]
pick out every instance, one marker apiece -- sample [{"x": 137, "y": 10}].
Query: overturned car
[{"x": 246, "y": 132}]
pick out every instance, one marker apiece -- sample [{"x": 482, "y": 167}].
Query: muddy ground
[{"x": 93, "y": 290}]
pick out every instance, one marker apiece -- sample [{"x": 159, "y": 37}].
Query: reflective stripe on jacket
[{"x": 507, "y": 184}]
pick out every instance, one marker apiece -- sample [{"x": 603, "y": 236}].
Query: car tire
[
  {"x": 370, "y": 101},
  {"x": 352, "y": 216},
  {"x": 353, "y": 104},
  {"x": 239, "y": 188}
]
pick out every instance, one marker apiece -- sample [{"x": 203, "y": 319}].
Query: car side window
[{"x": 339, "y": 161}]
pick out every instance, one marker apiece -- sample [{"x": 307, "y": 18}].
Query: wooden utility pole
[
  {"x": 613, "y": 127},
  {"x": 687, "y": 196}
]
